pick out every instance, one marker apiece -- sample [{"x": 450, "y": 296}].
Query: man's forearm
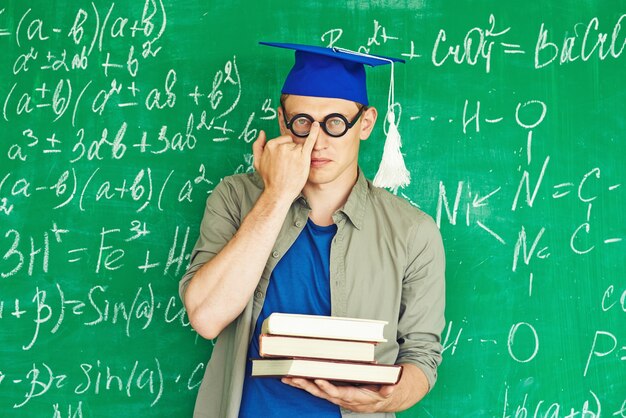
[{"x": 220, "y": 289}]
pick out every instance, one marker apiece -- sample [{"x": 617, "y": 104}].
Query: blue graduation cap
[
  {"x": 329, "y": 72},
  {"x": 340, "y": 73}
]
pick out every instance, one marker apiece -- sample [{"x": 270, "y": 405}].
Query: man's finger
[
  {"x": 328, "y": 388},
  {"x": 283, "y": 139},
  {"x": 308, "y": 386},
  {"x": 257, "y": 149},
  {"x": 312, "y": 138}
]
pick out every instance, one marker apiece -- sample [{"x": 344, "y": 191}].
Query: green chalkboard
[{"x": 118, "y": 118}]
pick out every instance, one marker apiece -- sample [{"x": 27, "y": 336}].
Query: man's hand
[
  {"x": 411, "y": 388},
  {"x": 284, "y": 164},
  {"x": 220, "y": 290},
  {"x": 371, "y": 398}
]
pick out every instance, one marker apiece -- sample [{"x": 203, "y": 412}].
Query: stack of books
[{"x": 323, "y": 347}]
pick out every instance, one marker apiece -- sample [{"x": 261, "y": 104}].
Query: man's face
[{"x": 334, "y": 159}]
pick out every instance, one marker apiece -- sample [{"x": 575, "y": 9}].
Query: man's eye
[{"x": 334, "y": 122}]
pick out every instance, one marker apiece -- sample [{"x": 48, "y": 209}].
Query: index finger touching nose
[{"x": 312, "y": 138}]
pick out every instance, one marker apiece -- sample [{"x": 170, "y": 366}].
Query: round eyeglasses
[{"x": 334, "y": 125}]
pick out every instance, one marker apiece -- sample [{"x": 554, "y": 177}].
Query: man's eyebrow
[{"x": 344, "y": 114}]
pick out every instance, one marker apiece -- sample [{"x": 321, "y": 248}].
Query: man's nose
[{"x": 323, "y": 139}]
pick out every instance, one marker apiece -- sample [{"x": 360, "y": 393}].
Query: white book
[
  {"x": 319, "y": 326},
  {"x": 359, "y": 373},
  {"x": 305, "y": 347}
]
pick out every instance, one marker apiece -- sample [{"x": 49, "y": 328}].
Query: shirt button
[
  {"x": 275, "y": 254},
  {"x": 258, "y": 294},
  {"x": 299, "y": 224}
]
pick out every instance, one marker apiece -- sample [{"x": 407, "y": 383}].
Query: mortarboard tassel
[{"x": 392, "y": 172}]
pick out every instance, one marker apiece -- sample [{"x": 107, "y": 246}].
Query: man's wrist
[
  {"x": 277, "y": 199},
  {"x": 274, "y": 202}
]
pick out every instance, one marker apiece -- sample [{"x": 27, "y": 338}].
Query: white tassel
[{"x": 392, "y": 172}]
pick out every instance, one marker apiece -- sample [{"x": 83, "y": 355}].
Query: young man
[{"x": 307, "y": 233}]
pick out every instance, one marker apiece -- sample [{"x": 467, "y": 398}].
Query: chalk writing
[{"x": 120, "y": 118}]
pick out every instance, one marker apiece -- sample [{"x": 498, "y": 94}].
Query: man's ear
[
  {"x": 368, "y": 120},
  {"x": 281, "y": 121}
]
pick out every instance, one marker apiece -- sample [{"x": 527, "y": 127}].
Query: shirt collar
[{"x": 354, "y": 208}]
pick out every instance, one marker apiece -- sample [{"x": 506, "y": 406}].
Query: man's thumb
[{"x": 257, "y": 148}]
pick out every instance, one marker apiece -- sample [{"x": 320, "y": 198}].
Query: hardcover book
[
  {"x": 302, "y": 347},
  {"x": 353, "y": 372},
  {"x": 324, "y": 327}
]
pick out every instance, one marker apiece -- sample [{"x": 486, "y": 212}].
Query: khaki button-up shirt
[{"x": 386, "y": 262}]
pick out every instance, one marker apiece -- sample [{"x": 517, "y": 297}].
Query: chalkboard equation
[
  {"x": 588, "y": 41},
  {"x": 143, "y": 377}
]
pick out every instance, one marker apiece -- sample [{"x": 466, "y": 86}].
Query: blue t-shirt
[{"x": 300, "y": 283}]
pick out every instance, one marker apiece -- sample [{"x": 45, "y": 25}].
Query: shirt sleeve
[
  {"x": 220, "y": 221},
  {"x": 423, "y": 300}
]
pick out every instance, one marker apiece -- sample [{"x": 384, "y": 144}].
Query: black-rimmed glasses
[{"x": 334, "y": 125}]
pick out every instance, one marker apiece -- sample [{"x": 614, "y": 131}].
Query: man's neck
[{"x": 326, "y": 199}]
